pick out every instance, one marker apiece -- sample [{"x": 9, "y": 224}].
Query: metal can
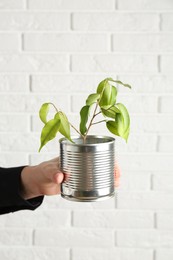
[{"x": 88, "y": 168}]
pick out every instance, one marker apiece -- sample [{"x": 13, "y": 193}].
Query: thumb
[{"x": 58, "y": 177}]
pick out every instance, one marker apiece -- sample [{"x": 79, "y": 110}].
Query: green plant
[{"x": 115, "y": 115}]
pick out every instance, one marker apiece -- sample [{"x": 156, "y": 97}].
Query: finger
[
  {"x": 117, "y": 171},
  {"x": 58, "y": 177}
]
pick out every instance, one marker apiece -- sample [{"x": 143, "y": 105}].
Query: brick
[
  {"x": 167, "y": 22},
  {"x": 74, "y": 237},
  {"x": 164, "y": 253},
  {"x": 163, "y": 182},
  {"x": 165, "y": 143},
  {"x": 67, "y": 83},
  {"x": 139, "y": 103},
  {"x": 136, "y": 143},
  {"x": 111, "y": 63},
  {"x": 33, "y": 253},
  {"x": 8, "y": 4},
  {"x": 14, "y": 83},
  {"x": 134, "y": 182},
  {"x": 166, "y": 63},
  {"x": 15, "y": 237},
  {"x": 147, "y": 83},
  {"x": 33, "y": 63},
  {"x": 72, "y": 5},
  {"x": 165, "y": 103},
  {"x": 28, "y": 21},
  {"x": 152, "y": 123},
  {"x": 145, "y": 200},
  {"x": 109, "y": 254},
  {"x": 143, "y": 42},
  {"x": 32, "y": 103},
  {"x": 14, "y": 123},
  {"x": 145, "y": 5},
  {"x": 145, "y": 162},
  {"x": 65, "y": 42},
  {"x": 38, "y": 219},
  {"x": 9, "y": 42},
  {"x": 13, "y": 159},
  {"x": 115, "y": 22},
  {"x": 144, "y": 238},
  {"x": 20, "y": 142},
  {"x": 113, "y": 219},
  {"x": 165, "y": 220}
]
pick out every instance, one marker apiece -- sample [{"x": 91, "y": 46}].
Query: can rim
[{"x": 109, "y": 139}]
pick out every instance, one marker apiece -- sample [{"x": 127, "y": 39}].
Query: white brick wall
[{"x": 53, "y": 50}]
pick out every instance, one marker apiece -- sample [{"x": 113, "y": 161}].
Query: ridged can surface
[{"x": 88, "y": 168}]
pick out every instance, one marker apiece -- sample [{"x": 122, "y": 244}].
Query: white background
[{"x": 58, "y": 51}]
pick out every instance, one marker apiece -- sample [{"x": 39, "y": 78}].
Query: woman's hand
[{"x": 42, "y": 179}]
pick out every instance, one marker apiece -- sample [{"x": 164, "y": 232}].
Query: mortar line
[
  {"x": 151, "y": 182},
  {"x": 154, "y": 254},
  {"x": 158, "y": 143},
  {"x": 72, "y": 219},
  {"x": 70, "y": 254},
  {"x": 25, "y": 5},
  {"x": 159, "y": 64},
  {"x": 155, "y": 221},
  {"x": 33, "y": 237},
  {"x": 116, "y": 4}
]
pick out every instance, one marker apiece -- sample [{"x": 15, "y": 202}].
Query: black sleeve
[{"x": 10, "y": 198}]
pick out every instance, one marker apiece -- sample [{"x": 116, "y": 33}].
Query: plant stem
[
  {"x": 90, "y": 124},
  {"x": 98, "y": 122},
  {"x": 76, "y": 130},
  {"x": 54, "y": 107}
]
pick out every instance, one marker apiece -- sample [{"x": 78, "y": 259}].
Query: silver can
[{"x": 88, "y": 168}]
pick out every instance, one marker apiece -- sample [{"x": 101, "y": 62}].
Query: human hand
[{"x": 42, "y": 179}]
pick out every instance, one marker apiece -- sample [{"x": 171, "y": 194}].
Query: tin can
[{"x": 88, "y": 168}]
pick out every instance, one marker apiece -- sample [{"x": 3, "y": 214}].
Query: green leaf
[
  {"x": 92, "y": 99},
  {"x": 125, "y": 116},
  {"x": 84, "y": 113},
  {"x": 119, "y": 82},
  {"x": 101, "y": 86},
  {"x": 121, "y": 125},
  {"x": 64, "y": 126},
  {"x": 43, "y": 112},
  {"x": 110, "y": 111},
  {"x": 49, "y": 131},
  {"x": 112, "y": 127},
  {"x": 113, "y": 95},
  {"x": 105, "y": 99}
]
